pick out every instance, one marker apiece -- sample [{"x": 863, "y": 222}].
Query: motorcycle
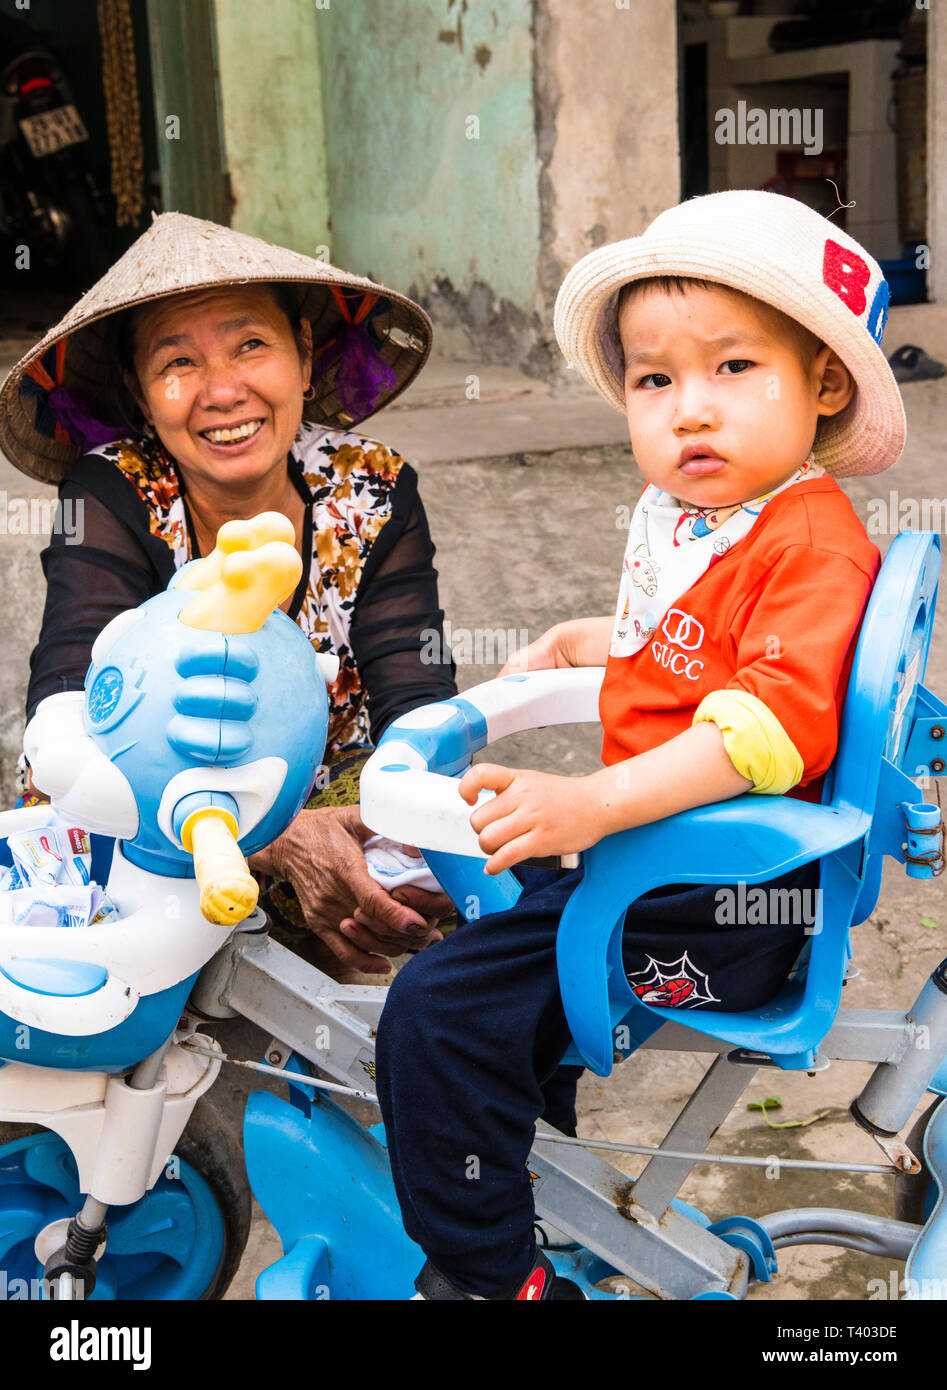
[{"x": 49, "y": 198}]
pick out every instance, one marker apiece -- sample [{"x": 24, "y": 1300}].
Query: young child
[{"x": 740, "y": 335}]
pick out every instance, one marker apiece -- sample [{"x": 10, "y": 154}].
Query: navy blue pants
[{"x": 473, "y": 1032}]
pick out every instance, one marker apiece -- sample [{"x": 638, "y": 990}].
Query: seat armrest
[{"x": 750, "y": 839}]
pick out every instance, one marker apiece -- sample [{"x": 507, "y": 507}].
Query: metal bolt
[
  {"x": 274, "y": 1058},
  {"x": 937, "y": 731},
  {"x": 938, "y": 765}
]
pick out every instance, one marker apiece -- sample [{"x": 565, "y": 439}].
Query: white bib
[{"x": 670, "y": 545}]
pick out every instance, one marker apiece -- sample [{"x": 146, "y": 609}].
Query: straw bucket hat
[
  {"x": 777, "y": 250},
  {"x": 72, "y": 367}
]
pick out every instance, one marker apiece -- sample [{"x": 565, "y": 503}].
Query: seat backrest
[
  {"x": 866, "y": 783},
  {"x": 887, "y": 672},
  {"x": 889, "y": 666}
]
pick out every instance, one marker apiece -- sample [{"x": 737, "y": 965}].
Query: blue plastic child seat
[{"x": 884, "y": 740}]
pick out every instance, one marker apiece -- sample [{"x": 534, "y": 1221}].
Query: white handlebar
[{"x": 403, "y": 793}]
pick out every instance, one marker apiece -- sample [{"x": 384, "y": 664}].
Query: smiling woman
[
  {"x": 238, "y": 370},
  {"x": 220, "y": 377}
]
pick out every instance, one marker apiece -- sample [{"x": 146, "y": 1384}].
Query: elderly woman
[{"x": 211, "y": 376}]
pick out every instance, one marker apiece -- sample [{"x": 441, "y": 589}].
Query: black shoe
[
  {"x": 912, "y": 363},
  {"x": 541, "y": 1283}
]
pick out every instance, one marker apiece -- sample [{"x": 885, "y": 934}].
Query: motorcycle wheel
[
  {"x": 182, "y": 1241},
  {"x": 87, "y": 255}
]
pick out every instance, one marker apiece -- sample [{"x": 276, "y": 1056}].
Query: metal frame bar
[
  {"x": 720, "y": 1088},
  {"x": 857, "y": 1035},
  {"x": 594, "y": 1203},
  {"x": 630, "y": 1225},
  {"x": 257, "y": 977},
  {"x": 873, "y": 1235},
  {"x": 329, "y": 1024}
]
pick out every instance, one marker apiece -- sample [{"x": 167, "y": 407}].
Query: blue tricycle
[{"x": 120, "y": 1177}]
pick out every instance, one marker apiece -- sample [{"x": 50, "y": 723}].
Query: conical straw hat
[{"x": 176, "y": 255}]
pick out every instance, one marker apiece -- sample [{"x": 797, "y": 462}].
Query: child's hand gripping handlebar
[{"x": 408, "y": 787}]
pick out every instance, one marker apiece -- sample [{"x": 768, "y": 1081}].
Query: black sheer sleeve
[
  {"x": 397, "y": 627},
  {"x": 109, "y": 563},
  {"x": 114, "y": 563}
]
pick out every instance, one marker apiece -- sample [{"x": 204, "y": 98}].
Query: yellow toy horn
[
  {"x": 228, "y": 890},
  {"x": 237, "y": 535},
  {"x": 252, "y": 569}
]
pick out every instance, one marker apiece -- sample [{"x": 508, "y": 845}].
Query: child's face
[{"x": 722, "y": 393}]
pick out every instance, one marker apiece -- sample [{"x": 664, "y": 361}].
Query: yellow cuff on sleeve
[{"x": 756, "y": 742}]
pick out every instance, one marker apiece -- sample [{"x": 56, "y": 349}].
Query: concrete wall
[
  {"x": 187, "y": 116},
  {"x": 462, "y": 151},
  {"x": 271, "y": 115},
  {"x": 433, "y": 172},
  {"x": 607, "y": 124}
]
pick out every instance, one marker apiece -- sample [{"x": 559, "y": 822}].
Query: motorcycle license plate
[{"x": 53, "y": 130}]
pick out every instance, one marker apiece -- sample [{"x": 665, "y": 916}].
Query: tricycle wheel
[
  {"x": 213, "y": 1145},
  {"x": 183, "y": 1240},
  {"x": 915, "y": 1194}
]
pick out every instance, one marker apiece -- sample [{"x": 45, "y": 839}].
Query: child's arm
[
  {"x": 538, "y": 813},
  {"x": 579, "y": 642}
]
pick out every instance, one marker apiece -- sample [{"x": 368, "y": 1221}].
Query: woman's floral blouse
[{"x": 369, "y": 595}]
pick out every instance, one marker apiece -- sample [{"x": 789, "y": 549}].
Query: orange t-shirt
[{"x": 776, "y": 616}]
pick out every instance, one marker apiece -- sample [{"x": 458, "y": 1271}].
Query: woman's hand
[
  {"x": 321, "y": 855},
  {"x": 436, "y": 905},
  {"x": 534, "y": 814}
]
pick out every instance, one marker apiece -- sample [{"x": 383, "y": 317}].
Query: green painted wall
[
  {"x": 187, "y": 117},
  {"x": 271, "y": 113},
  {"x": 413, "y": 198}
]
